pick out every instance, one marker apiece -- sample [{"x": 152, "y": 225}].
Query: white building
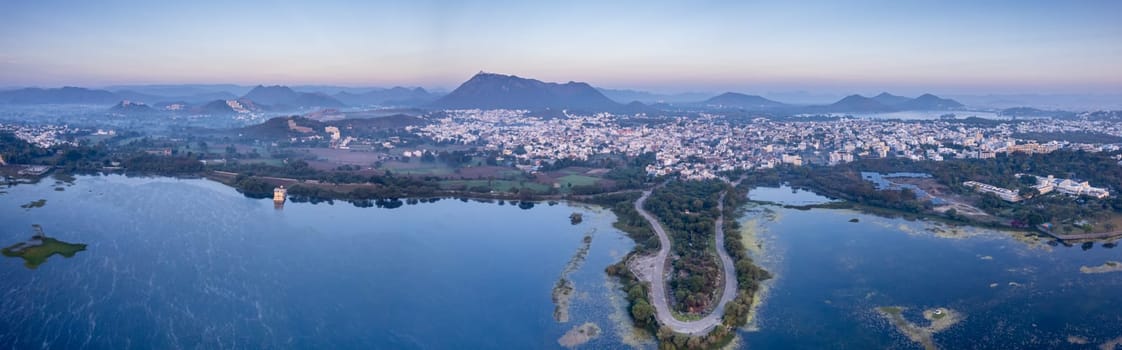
[
  {"x": 1003, "y": 193},
  {"x": 1081, "y": 189},
  {"x": 792, "y": 159}
]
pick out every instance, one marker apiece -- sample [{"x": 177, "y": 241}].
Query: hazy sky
[{"x": 752, "y": 46}]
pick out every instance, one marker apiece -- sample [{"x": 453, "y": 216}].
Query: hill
[
  {"x": 64, "y": 95},
  {"x": 282, "y": 97},
  {"x": 888, "y": 99},
  {"x": 636, "y": 107},
  {"x": 365, "y": 126},
  {"x": 929, "y": 102},
  {"x": 280, "y": 128},
  {"x": 497, "y": 91},
  {"x": 131, "y": 108},
  {"x": 220, "y": 107},
  {"x": 738, "y": 100},
  {"x": 859, "y": 104}
]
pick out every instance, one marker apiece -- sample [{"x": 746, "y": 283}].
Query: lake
[
  {"x": 192, "y": 263},
  {"x": 175, "y": 263},
  {"x": 1013, "y": 293}
]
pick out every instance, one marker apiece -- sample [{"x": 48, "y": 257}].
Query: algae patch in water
[
  {"x": 940, "y": 319},
  {"x": 35, "y": 204},
  {"x": 563, "y": 289},
  {"x": 579, "y": 335},
  {"x": 1109, "y": 266}
]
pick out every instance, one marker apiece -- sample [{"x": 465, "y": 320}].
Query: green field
[
  {"x": 266, "y": 161},
  {"x": 417, "y": 168},
  {"x": 494, "y": 185},
  {"x": 576, "y": 180}
]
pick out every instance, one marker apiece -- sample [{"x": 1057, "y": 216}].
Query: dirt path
[{"x": 652, "y": 269}]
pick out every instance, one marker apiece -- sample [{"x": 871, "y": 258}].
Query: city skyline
[{"x": 954, "y": 47}]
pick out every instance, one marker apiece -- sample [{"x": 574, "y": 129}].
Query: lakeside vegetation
[
  {"x": 467, "y": 172},
  {"x": 749, "y": 276}
]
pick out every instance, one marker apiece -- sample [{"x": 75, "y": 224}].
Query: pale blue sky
[{"x": 904, "y": 46}]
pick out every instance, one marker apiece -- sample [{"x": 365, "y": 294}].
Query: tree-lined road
[{"x": 657, "y": 279}]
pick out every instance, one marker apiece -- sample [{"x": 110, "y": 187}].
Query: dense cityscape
[{"x": 701, "y": 147}]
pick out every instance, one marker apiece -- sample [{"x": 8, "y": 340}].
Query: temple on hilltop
[{"x": 279, "y": 196}]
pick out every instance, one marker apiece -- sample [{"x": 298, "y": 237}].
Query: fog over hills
[
  {"x": 627, "y": 95},
  {"x": 284, "y": 97},
  {"x": 490, "y": 90},
  {"x": 63, "y": 95},
  {"x": 397, "y": 96}
]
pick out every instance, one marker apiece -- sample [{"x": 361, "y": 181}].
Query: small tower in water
[{"x": 279, "y": 196}]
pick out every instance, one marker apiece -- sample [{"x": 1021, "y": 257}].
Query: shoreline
[{"x": 749, "y": 233}]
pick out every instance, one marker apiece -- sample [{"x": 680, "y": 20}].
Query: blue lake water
[
  {"x": 193, "y": 264},
  {"x": 832, "y": 273},
  {"x": 787, "y": 196}
]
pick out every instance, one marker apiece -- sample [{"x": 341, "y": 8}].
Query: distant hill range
[
  {"x": 189, "y": 98},
  {"x": 497, "y": 91},
  {"x": 396, "y": 96},
  {"x": 63, "y": 95},
  {"x": 1030, "y": 112},
  {"x": 483, "y": 91},
  {"x": 650, "y": 98},
  {"x": 282, "y": 97},
  {"x": 885, "y": 102}
]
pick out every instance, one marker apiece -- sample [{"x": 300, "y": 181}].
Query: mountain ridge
[{"x": 498, "y": 91}]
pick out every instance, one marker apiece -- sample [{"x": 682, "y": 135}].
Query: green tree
[{"x": 642, "y": 311}]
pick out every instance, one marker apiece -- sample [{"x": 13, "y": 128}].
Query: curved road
[{"x": 658, "y": 287}]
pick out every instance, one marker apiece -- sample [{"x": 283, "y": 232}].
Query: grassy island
[{"x": 36, "y": 250}]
